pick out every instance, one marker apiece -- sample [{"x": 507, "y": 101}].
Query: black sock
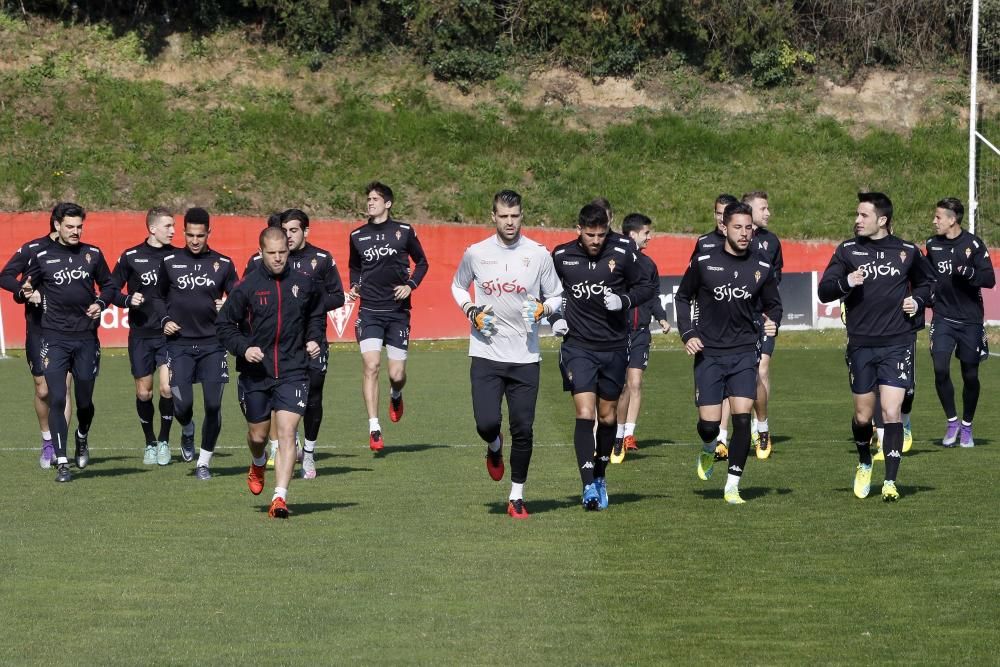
[
  {"x": 862, "y": 439},
  {"x": 739, "y": 445},
  {"x": 166, "y": 418},
  {"x": 583, "y": 443},
  {"x": 605, "y": 443},
  {"x": 892, "y": 447},
  {"x": 145, "y": 411}
]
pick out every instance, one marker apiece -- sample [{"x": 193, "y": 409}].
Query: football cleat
[
  {"x": 602, "y": 492},
  {"x": 764, "y": 445},
  {"x": 202, "y": 473},
  {"x": 706, "y": 461},
  {"x": 732, "y": 496},
  {"x": 516, "y": 509},
  {"x": 721, "y": 451},
  {"x": 875, "y": 444},
  {"x": 63, "y": 473},
  {"x": 907, "y": 438},
  {"x": 187, "y": 447},
  {"x": 272, "y": 453},
  {"x": 278, "y": 510},
  {"x": 591, "y": 498},
  {"x": 878, "y": 455},
  {"x": 308, "y": 467},
  {"x": 862, "y": 481},
  {"x": 82, "y": 456},
  {"x": 889, "y": 492},
  {"x": 375, "y": 441},
  {"x": 395, "y": 408},
  {"x": 255, "y": 478},
  {"x": 162, "y": 454},
  {"x": 950, "y": 434},
  {"x": 494, "y": 462},
  {"x": 965, "y": 437},
  {"x": 618, "y": 451},
  {"x": 754, "y": 438},
  {"x": 149, "y": 455},
  {"x": 47, "y": 456},
  {"x": 630, "y": 443}
]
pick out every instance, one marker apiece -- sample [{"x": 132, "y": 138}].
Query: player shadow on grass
[
  {"x": 406, "y": 449},
  {"x": 748, "y": 493},
  {"x": 905, "y": 490},
  {"x": 645, "y": 445},
  {"x": 107, "y": 472},
  {"x": 550, "y": 504},
  {"x": 320, "y": 471},
  {"x": 300, "y": 509}
]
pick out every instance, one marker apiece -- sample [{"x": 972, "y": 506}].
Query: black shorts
[
  {"x": 639, "y": 342},
  {"x": 765, "y": 343},
  {"x": 79, "y": 356},
  {"x": 716, "y": 378},
  {"x": 260, "y": 396},
  {"x": 869, "y": 367},
  {"x": 319, "y": 364},
  {"x": 145, "y": 355},
  {"x": 193, "y": 364},
  {"x": 392, "y": 327},
  {"x": 967, "y": 341},
  {"x": 33, "y": 351},
  {"x": 601, "y": 372}
]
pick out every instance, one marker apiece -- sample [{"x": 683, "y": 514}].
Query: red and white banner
[{"x": 435, "y": 314}]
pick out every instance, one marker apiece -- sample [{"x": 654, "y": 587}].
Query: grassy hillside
[{"x": 88, "y": 122}]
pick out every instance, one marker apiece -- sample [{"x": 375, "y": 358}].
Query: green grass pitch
[{"x": 410, "y": 558}]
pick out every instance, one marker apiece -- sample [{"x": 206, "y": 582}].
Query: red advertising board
[{"x": 434, "y": 312}]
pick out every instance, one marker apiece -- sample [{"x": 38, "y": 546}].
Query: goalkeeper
[{"x": 515, "y": 285}]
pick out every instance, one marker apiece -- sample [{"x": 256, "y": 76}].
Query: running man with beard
[
  {"x": 602, "y": 279},
  {"x": 272, "y": 323},
  {"x": 515, "y": 286},
  {"x": 193, "y": 283},
  {"x": 728, "y": 287},
  {"x": 11, "y": 279},
  {"x": 65, "y": 274},
  {"x": 320, "y": 265}
]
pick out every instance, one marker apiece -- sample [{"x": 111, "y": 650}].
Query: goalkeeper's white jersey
[{"x": 505, "y": 277}]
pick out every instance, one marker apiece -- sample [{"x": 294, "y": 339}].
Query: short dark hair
[
  {"x": 755, "y": 194},
  {"x": 197, "y": 216},
  {"x": 736, "y": 208},
  {"x": 383, "y": 190},
  {"x": 295, "y": 215},
  {"x": 606, "y": 205},
  {"x": 274, "y": 220},
  {"x": 593, "y": 215},
  {"x": 270, "y": 232},
  {"x": 508, "y": 198},
  {"x": 953, "y": 205},
  {"x": 726, "y": 200},
  {"x": 63, "y": 210},
  {"x": 157, "y": 212},
  {"x": 881, "y": 203},
  {"x": 633, "y": 222}
]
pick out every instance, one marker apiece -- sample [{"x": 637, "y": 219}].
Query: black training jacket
[{"x": 277, "y": 313}]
